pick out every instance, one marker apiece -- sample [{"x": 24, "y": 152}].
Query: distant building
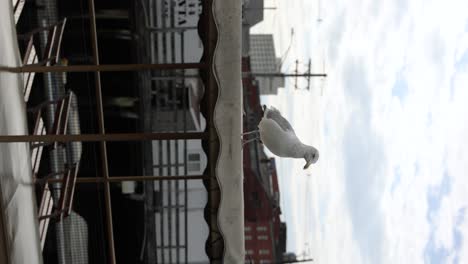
[
  {"x": 252, "y": 14},
  {"x": 175, "y": 24},
  {"x": 265, "y": 64},
  {"x": 179, "y": 208},
  {"x": 260, "y": 49},
  {"x": 265, "y": 234}
]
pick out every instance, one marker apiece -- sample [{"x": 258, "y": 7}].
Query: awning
[
  {"x": 19, "y": 241},
  {"x": 227, "y": 115}
]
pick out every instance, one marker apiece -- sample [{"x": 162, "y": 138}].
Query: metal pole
[
  {"x": 173, "y": 92},
  {"x": 273, "y": 74},
  {"x": 168, "y": 30},
  {"x": 297, "y": 261},
  {"x": 185, "y": 102},
  {"x": 163, "y": 59},
  {"x": 103, "y": 148},
  {"x": 173, "y": 77},
  {"x": 101, "y": 137},
  {"x": 133, "y": 178},
  {"x": 279, "y": 74},
  {"x": 102, "y": 68}
]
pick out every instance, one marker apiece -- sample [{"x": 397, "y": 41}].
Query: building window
[
  {"x": 247, "y": 228},
  {"x": 262, "y": 237},
  {"x": 264, "y": 261},
  {"x": 248, "y": 237},
  {"x": 193, "y": 162},
  {"x": 256, "y": 200},
  {"x": 264, "y": 252},
  {"x": 249, "y": 252},
  {"x": 261, "y": 228}
]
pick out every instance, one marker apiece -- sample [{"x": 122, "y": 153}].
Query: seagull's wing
[{"x": 275, "y": 115}]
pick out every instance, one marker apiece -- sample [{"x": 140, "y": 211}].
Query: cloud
[
  {"x": 336, "y": 32},
  {"x": 458, "y": 234},
  {"x": 362, "y": 157},
  {"x": 364, "y": 162},
  {"x": 392, "y": 122},
  {"x": 435, "y": 195},
  {"x": 435, "y": 252},
  {"x": 437, "y": 48},
  {"x": 446, "y": 236},
  {"x": 396, "y": 180},
  {"x": 400, "y": 88},
  {"x": 363, "y": 185}
]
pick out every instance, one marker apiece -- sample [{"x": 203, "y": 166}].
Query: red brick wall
[{"x": 258, "y": 242}]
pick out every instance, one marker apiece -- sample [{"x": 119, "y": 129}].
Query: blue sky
[{"x": 390, "y": 122}]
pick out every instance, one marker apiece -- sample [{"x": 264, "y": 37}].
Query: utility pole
[
  {"x": 308, "y": 74},
  {"x": 285, "y": 75},
  {"x": 297, "y": 261},
  {"x": 296, "y": 75},
  {"x": 296, "y": 72},
  {"x": 309, "y": 69},
  {"x": 262, "y": 8}
]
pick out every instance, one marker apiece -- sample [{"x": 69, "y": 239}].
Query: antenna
[
  {"x": 323, "y": 80},
  {"x": 307, "y": 74},
  {"x": 319, "y": 17},
  {"x": 309, "y": 70},
  {"x": 283, "y": 58}
]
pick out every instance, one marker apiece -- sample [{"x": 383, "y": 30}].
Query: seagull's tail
[
  {"x": 269, "y": 109},
  {"x": 265, "y": 110}
]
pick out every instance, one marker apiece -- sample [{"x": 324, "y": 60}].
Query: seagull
[{"x": 279, "y": 137}]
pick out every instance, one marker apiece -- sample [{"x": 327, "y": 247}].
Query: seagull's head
[{"x": 311, "y": 156}]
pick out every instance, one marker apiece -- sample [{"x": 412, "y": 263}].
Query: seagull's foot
[
  {"x": 250, "y": 132},
  {"x": 245, "y": 142}
]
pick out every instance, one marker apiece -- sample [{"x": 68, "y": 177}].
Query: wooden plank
[
  {"x": 45, "y": 209},
  {"x": 36, "y": 152},
  {"x": 30, "y": 57},
  {"x": 18, "y": 9},
  {"x": 74, "y": 175}
]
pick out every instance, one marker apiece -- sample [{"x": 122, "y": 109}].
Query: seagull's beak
[{"x": 307, "y": 164}]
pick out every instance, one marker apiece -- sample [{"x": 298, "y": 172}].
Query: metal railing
[{"x": 159, "y": 68}]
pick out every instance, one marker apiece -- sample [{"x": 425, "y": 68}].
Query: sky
[{"x": 390, "y": 122}]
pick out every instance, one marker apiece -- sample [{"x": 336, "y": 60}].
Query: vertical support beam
[
  {"x": 185, "y": 100},
  {"x": 169, "y": 200},
  {"x": 172, "y": 91},
  {"x": 163, "y": 58},
  {"x": 102, "y": 145},
  {"x": 161, "y": 199}
]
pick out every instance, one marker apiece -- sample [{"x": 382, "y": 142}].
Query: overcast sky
[{"x": 391, "y": 125}]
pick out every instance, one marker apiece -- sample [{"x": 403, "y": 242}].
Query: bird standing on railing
[{"x": 279, "y": 137}]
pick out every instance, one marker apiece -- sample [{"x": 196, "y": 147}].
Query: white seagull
[{"x": 279, "y": 137}]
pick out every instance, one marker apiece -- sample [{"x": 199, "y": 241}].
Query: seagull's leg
[
  {"x": 249, "y": 141},
  {"x": 250, "y": 132}
]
